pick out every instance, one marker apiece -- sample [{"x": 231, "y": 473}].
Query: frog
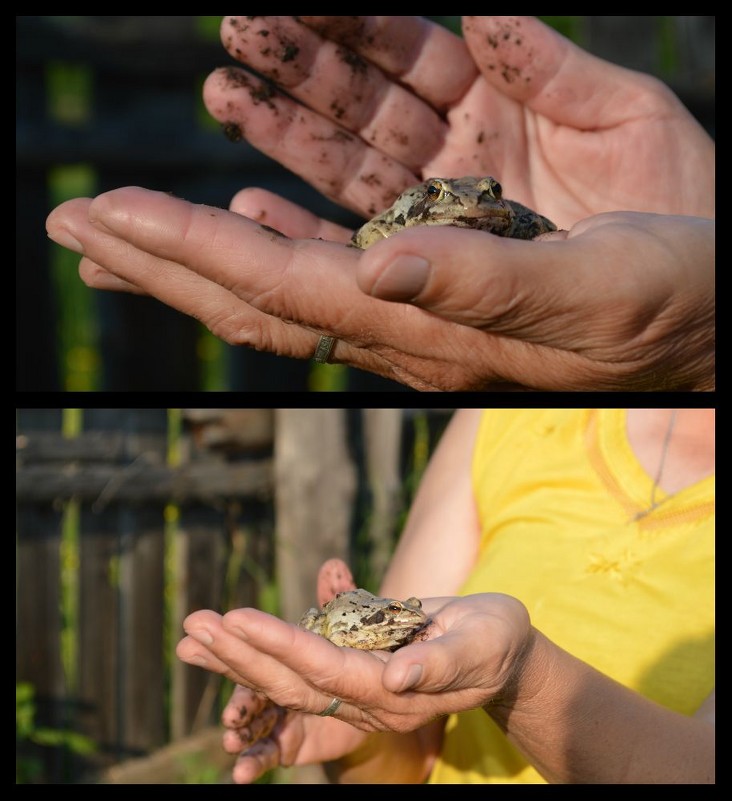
[
  {"x": 360, "y": 619},
  {"x": 476, "y": 203}
]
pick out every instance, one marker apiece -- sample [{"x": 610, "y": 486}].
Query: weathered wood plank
[
  {"x": 382, "y": 445},
  {"x": 142, "y": 601},
  {"x": 143, "y": 481},
  {"x": 316, "y": 484},
  {"x": 99, "y": 699},
  {"x": 38, "y": 604},
  {"x": 211, "y": 547},
  {"x": 316, "y": 481},
  {"x": 121, "y": 598},
  {"x": 50, "y": 446},
  {"x": 200, "y": 553}
]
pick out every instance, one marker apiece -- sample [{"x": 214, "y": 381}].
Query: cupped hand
[
  {"x": 621, "y": 301},
  {"x": 473, "y": 648},
  {"x": 371, "y": 105},
  {"x": 265, "y": 735}
]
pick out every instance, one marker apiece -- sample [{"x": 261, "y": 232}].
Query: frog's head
[{"x": 462, "y": 202}]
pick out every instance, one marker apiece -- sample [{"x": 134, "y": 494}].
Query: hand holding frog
[
  {"x": 623, "y": 301},
  {"x": 484, "y": 634},
  {"x": 384, "y": 102}
]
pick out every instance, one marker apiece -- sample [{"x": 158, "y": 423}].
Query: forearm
[
  {"x": 576, "y": 725},
  {"x": 388, "y": 757}
]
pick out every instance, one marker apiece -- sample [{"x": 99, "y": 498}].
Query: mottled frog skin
[
  {"x": 461, "y": 202},
  {"x": 359, "y": 619}
]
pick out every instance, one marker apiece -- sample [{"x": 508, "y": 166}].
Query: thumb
[
  {"x": 528, "y": 61},
  {"x": 440, "y": 665},
  {"x": 476, "y": 279}
]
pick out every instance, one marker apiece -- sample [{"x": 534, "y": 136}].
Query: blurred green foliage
[{"x": 27, "y": 768}]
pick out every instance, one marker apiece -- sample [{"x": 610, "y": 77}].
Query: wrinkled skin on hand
[
  {"x": 618, "y": 301},
  {"x": 621, "y": 302},
  {"x": 381, "y": 691},
  {"x": 565, "y": 132},
  {"x": 266, "y": 735}
]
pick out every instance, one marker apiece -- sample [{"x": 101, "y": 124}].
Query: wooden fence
[
  {"x": 129, "y": 519},
  {"x": 119, "y": 96}
]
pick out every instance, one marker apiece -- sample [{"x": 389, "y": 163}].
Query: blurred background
[
  {"x": 108, "y": 101},
  {"x": 130, "y": 519}
]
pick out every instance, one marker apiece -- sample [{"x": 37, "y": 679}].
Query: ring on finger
[{"x": 331, "y": 709}]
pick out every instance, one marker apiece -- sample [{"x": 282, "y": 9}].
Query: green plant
[{"x": 28, "y": 768}]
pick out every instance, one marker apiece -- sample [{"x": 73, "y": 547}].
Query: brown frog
[
  {"x": 461, "y": 202},
  {"x": 360, "y": 619}
]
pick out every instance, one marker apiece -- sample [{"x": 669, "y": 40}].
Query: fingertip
[
  {"x": 517, "y": 55},
  {"x": 226, "y": 23},
  {"x": 96, "y": 277},
  {"x": 76, "y": 207},
  {"x": 401, "y": 277},
  {"x": 59, "y": 234},
  {"x": 334, "y": 576},
  {"x": 215, "y": 83},
  {"x": 118, "y": 204},
  {"x": 254, "y": 203},
  {"x": 402, "y": 677}
]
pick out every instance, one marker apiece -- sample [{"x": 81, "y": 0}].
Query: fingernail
[
  {"x": 202, "y": 636},
  {"x": 62, "y": 237},
  {"x": 414, "y": 674},
  {"x": 403, "y": 279}
]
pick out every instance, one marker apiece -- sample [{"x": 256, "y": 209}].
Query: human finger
[
  {"x": 260, "y": 727},
  {"x": 412, "y": 50},
  {"x": 91, "y": 273},
  {"x": 251, "y": 644},
  {"x": 339, "y": 164},
  {"x": 598, "y": 137},
  {"x": 530, "y": 62},
  {"x": 224, "y": 647},
  {"x": 261, "y": 205},
  {"x": 97, "y": 277},
  {"x": 308, "y": 282},
  {"x": 337, "y": 83},
  {"x": 153, "y": 273},
  {"x": 255, "y": 761},
  {"x": 472, "y": 645},
  {"x": 470, "y": 277},
  {"x": 248, "y": 716},
  {"x": 242, "y": 706},
  {"x": 306, "y": 671},
  {"x": 204, "y": 629},
  {"x": 334, "y": 576},
  {"x": 290, "y": 219},
  {"x": 600, "y": 309}
]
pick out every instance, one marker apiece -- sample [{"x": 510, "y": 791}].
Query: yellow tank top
[{"x": 557, "y": 491}]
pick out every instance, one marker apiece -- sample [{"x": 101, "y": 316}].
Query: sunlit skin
[
  {"x": 481, "y": 650},
  {"x": 621, "y": 298}
]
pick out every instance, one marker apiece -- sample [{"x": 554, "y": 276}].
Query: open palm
[{"x": 375, "y": 104}]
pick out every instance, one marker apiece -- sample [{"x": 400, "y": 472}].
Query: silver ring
[
  {"x": 331, "y": 709},
  {"x": 324, "y": 349}
]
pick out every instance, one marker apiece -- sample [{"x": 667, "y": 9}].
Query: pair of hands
[
  {"x": 620, "y": 300},
  {"x": 286, "y": 675}
]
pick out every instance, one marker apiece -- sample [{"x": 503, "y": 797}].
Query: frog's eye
[
  {"x": 495, "y": 189},
  {"x": 434, "y": 190},
  {"x": 395, "y": 606}
]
